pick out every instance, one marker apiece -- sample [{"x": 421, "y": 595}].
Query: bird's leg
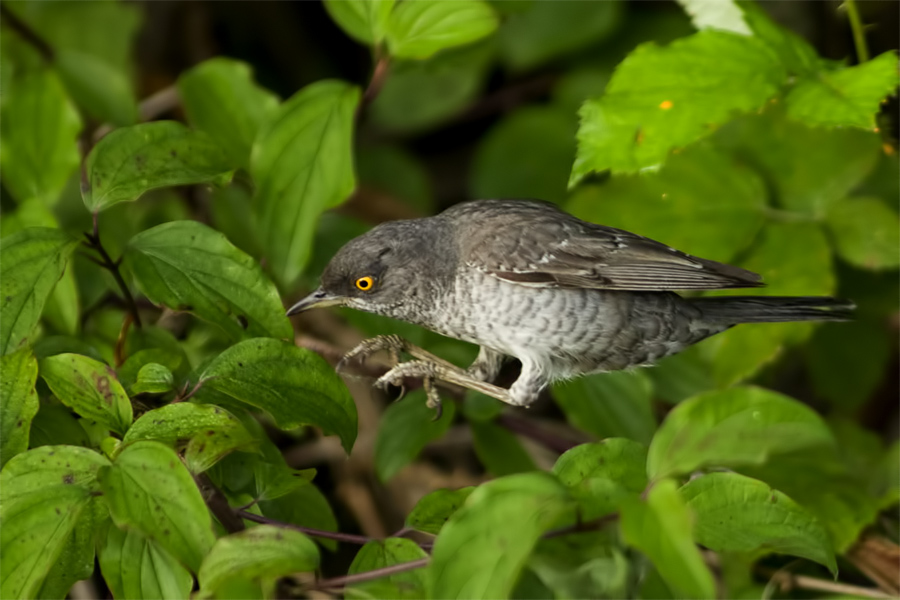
[
  {"x": 394, "y": 345},
  {"x": 487, "y": 365},
  {"x": 531, "y": 382},
  {"x": 431, "y": 371}
]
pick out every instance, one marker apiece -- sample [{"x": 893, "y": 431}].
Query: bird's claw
[
  {"x": 393, "y": 344},
  {"x": 416, "y": 368}
]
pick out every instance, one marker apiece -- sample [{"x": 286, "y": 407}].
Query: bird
[{"x": 525, "y": 280}]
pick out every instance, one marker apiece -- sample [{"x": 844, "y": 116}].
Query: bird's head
[{"x": 375, "y": 272}]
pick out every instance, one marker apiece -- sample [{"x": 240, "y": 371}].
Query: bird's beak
[{"x": 318, "y": 299}]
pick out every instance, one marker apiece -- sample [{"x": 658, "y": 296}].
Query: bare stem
[
  {"x": 339, "y": 582},
  {"x": 93, "y": 242},
  {"x": 218, "y": 504},
  {"x": 331, "y": 535},
  {"x": 858, "y": 29}
]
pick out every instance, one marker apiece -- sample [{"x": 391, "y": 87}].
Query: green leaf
[
  {"x": 306, "y": 506},
  {"x": 153, "y": 378},
  {"x": 365, "y": 20},
  {"x": 499, "y": 451},
  {"x": 378, "y": 554},
  {"x": 806, "y": 169},
  {"x": 585, "y": 565},
  {"x": 847, "y": 362},
  {"x": 609, "y": 404},
  {"x": 738, "y": 426},
  {"x": 797, "y": 55},
  {"x": 55, "y": 424},
  {"x": 420, "y": 29},
  {"x": 103, "y": 90},
  {"x": 135, "y": 567},
  {"x": 662, "y": 98},
  {"x": 186, "y": 265},
  {"x": 733, "y": 513},
  {"x": 130, "y": 161},
  {"x": 421, "y": 94},
  {"x": 262, "y": 554},
  {"x": 149, "y": 490},
  {"x": 43, "y": 492},
  {"x": 32, "y": 261},
  {"x": 175, "y": 363},
  {"x": 294, "y": 385},
  {"x": 76, "y": 560},
  {"x": 90, "y": 388},
  {"x": 277, "y": 480},
  {"x": 221, "y": 98},
  {"x": 18, "y": 402},
  {"x": 432, "y": 511},
  {"x": 545, "y": 31},
  {"x": 681, "y": 376},
  {"x": 528, "y": 154},
  {"x": 302, "y": 164},
  {"x": 660, "y": 527},
  {"x": 846, "y": 97},
  {"x": 498, "y": 526},
  {"x": 62, "y": 310},
  {"x": 700, "y": 181},
  {"x": 209, "y": 432},
  {"x": 795, "y": 260},
  {"x": 40, "y": 127},
  {"x": 722, "y": 15},
  {"x": 405, "y": 428},
  {"x": 866, "y": 232},
  {"x": 601, "y": 475}
]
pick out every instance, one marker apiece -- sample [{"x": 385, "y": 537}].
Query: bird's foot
[
  {"x": 393, "y": 344},
  {"x": 429, "y": 372}
]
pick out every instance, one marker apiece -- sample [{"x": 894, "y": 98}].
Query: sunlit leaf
[
  {"x": 420, "y": 29},
  {"x": 363, "y": 20},
  {"x": 18, "y": 402},
  {"x": 136, "y": 567}
]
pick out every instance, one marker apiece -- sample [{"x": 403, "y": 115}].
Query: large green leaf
[
  {"x": 794, "y": 260},
  {"x": 364, "y": 21},
  {"x": 31, "y": 262},
  {"x": 738, "y": 426},
  {"x": 600, "y": 476},
  {"x": 209, "y": 432},
  {"x": 149, "y": 490},
  {"x": 585, "y": 565},
  {"x": 733, "y": 513},
  {"x": 660, "y": 527},
  {"x": 43, "y": 492},
  {"x": 90, "y": 388},
  {"x": 499, "y": 525},
  {"x": 609, "y": 404},
  {"x": 263, "y": 554},
  {"x": 76, "y": 560},
  {"x": 379, "y": 554},
  {"x": 40, "y": 127},
  {"x": 188, "y": 266},
  {"x": 432, "y": 511},
  {"x": 848, "y": 96},
  {"x": 499, "y": 450},
  {"x": 548, "y": 30},
  {"x": 420, "y": 29},
  {"x": 302, "y": 164},
  {"x": 104, "y": 91},
  {"x": 305, "y": 506},
  {"x": 702, "y": 202},
  {"x": 18, "y": 402},
  {"x": 528, "y": 154},
  {"x": 866, "y": 232},
  {"x": 136, "y": 567},
  {"x": 220, "y": 98},
  {"x": 405, "y": 428},
  {"x": 661, "y": 98},
  {"x": 133, "y": 160},
  {"x": 294, "y": 385}
]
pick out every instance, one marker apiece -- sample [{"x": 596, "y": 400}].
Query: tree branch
[
  {"x": 331, "y": 535},
  {"x": 339, "y": 582},
  {"x": 93, "y": 242},
  {"x": 27, "y": 33},
  {"x": 218, "y": 504}
]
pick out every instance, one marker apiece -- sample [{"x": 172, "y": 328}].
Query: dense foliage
[{"x": 164, "y": 430}]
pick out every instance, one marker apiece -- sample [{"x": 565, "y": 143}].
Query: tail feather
[{"x": 773, "y": 309}]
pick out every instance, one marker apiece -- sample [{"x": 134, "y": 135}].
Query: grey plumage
[{"x": 524, "y": 279}]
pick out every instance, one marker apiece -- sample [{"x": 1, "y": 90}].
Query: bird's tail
[{"x": 773, "y": 309}]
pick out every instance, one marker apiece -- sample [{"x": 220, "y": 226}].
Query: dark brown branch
[
  {"x": 26, "y": 33},
  {"x": 218, "y": 504},
  {"x": 531, "y": 430},
  {"x": 93, "y": 242},
  {"x": 331, "y": 535},
  {"x": 339, "y": 582},
  {"x": 379, "y": 75}
]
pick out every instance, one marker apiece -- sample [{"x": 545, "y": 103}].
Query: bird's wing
[{"x": 549, "y": 248}]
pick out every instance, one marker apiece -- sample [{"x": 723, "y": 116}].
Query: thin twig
[
  {"x": 379, "y": 75},
  {"x": 339, "y": 582},
  {"x": 27, "y": 33},
  {"x": 858, "y": 29},
  {"x": 93, "y": 242},
  {"x": 786, "y": 581},
  {"x": 331, "y": 535},
  {"x": 218, "y": 504}
]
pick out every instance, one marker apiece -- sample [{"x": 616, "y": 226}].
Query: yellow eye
[{"x": 365, "y": 283}]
